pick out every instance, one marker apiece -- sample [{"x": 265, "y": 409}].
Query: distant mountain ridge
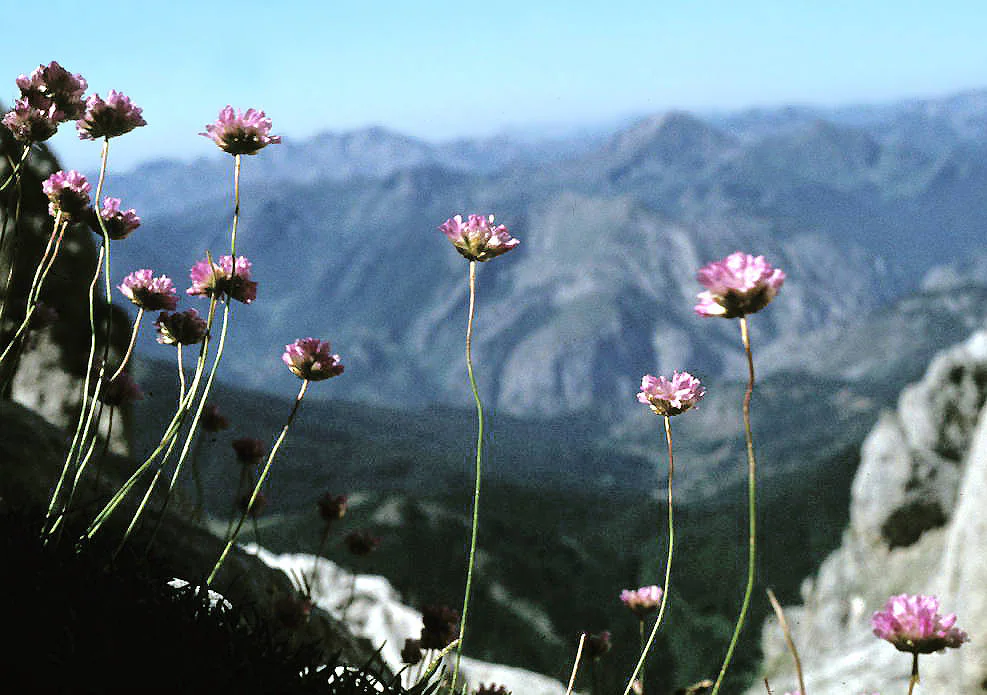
[{"x": 342, "y": 232}]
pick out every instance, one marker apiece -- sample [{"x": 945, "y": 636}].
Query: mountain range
[{"x": 857, "y": 205}]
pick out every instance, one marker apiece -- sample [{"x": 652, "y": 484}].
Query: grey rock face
[{"x": 917, "y": 525}]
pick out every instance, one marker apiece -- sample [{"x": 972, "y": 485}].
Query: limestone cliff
[{"x": 918, "y": 524}]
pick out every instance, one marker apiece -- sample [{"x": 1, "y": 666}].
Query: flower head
[
  {"x": 148, "y": 292},
  {"x": 309, "y": 358},
  {"x": 120, "y": 391},
  {"x": 478, "y": 239},
  {"x": 411, "y": 652},
  {"x": 239, "y": 132},
  {"x": 108, "y": 119},
  {"x": 180, "y": 328},
  {"x": 332, "y": 507},
  {"x": 52, "y": 85},
  {"x": 642, "y": 601},
  {"x": 597, "y": 644},
  {"x": 738, "y": 285},
  {"x": 68, "y": 193},
  {"x": 913, "y": 624},
  {"x": 249, "y": 451},
  {"x": 212, "y": 420},
  {"x": 119, "y": 223},
  {"x": 219, "y": 279},
  {"x": 30, "y": 124},
  {"x": 440, "y": 626},
  {"x": 361, "y": 543},
  {"x": 670, "y": 396},
  {"x": 492, "y": 689}
]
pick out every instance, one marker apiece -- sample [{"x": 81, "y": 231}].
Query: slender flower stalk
[
  {"x": 787, "y": 632},
  {"x": 736, "y": 286},
  {"x": 477, "y": 239},
  {"x": 15, "y": 171},
  {"x": 575, "y": 665},
  {"x": 260, "y": 483},
  {"x": 130, "y": 345},
  {"x": 665, "y": 397}
]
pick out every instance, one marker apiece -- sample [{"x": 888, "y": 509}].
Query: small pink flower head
[
  {"x": 108, "y": 119},
  {"x": 29, "y": 124},
  {"x": 249, "y": 450},
  {"x": 238, "y": 132},
  {"x": 478, "y": 239},
  {"x": 121, "y": 391},
  {"x": 361, "y": 543},
  {"x": 332, "y": 507},
  {"x": 597, "y": 644},
  {"x": 913, "y": 624},
  {"x": 119, "y": 223},
  {"x": 54, "y": 85},
  {"x": 309, "y": 358},
  {"x": 642, "y": 601},
  {"x": 184, "y": 328},
  {"x": 213, "y": 420},
  {"x": 670, "y": 396},
  {"x": 411, "y": 652},
  {"x": 148, "y": 292},
  {"x": 218, "y": 279},
  {"x": 68, "y": 193},
  {"x": 738, "y": 285}
]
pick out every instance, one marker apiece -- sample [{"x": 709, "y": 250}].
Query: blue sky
[{"x": 448, "y": 69}]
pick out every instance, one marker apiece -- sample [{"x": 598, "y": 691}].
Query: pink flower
[
  {"x": 478, "y": 239},
  {"x": 29, "y": 124},
  {"x": 213, "y": 420},
  {"x": 108, "y": 119},
  {"x": 54, "y": 85},
  {"x": 68, "y": 192},
  {"x": 913, "y": 624},
  {"x": 249, "y": 450},
  {"x": 309, "y": 358},
  {"x": 239, "y": 132},
  {"x": 670, "y": 397},
  {"x": 738, "y": 285},
  {"x": 642, "y": 601},
  {"x": 121, "y": 391},
  {"x": 185, "y": 328},
  {"x": 218, "y": 279},
  {"x": 119, "y": 223},
  {"x": 148, "y": 292}
]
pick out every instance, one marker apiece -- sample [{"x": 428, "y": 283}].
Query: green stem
[
  {"x": 130, "y": 345},
  {"x": 751, "y": 505},
  {"x": 479, "y": 456},
  {"x": 15, "y": 171},
  {"x": 668, "y": 567},
  {"x": 576, "y": 663},
  {"x": 260, "y": 482},
  {"x": 913, "y": 681}
]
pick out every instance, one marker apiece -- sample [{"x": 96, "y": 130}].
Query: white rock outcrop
[
  {"x": 918, "y": 524},
  {"x": 372, "y": 609}
]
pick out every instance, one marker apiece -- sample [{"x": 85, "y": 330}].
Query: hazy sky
[{"x": 445, "y": 69}]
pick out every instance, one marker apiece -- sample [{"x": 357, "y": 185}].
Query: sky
[{"x": 440, "y": 70}]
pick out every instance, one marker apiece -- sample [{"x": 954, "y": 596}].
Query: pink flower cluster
[
  {"x": 219, "y": 279},
  {"x": 108, "y": 119},
  {"x": 670, "y": 396},
  {"x": 180, "y": 328},
  {"x": 738, "y": 285},
  {"x": 68, "y": 193},
  {"x": 245, "y": 132},
  {"x": 310, "y": 359},
  {"x": 642, "y": 601},
  {"x": 50, "y": 96},
  {"x": 119, "y": 223},
  {"x": 913, "y": 624},
  {"x": 148, "y": 292},
  {"x": 478, "y": 239}
]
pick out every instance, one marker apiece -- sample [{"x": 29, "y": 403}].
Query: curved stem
[
  {"x": 751, "y": 505},
  {"x": 181, "y": 375},
  {"x": 16, "y": 170},
  {"x": 668, "y": 567},
  {"x": 575, "y": 665},
  {"x": 130, "y": 346},
  {"x": 260, "y": 482},
  {"x": 787, "y": 632},
  {"x": 479, "y": 457}
]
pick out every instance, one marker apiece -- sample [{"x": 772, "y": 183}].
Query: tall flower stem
[
  {"x": 479, "y": 457},
  {"x": 575, "y": 665},
  {"x": 913, "y": 681},
  {"x": 751, "y": 505},
  {"x": 787, "y": 632},
  {"x": 14, "y": 245},
  {"x": 646, "y": 647},
  {"x": 260, "y": 483},
  {"x": 236, "y": 210},
  {"x": 130, "y": 345},
  {"x": 15, "y": 171}
]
